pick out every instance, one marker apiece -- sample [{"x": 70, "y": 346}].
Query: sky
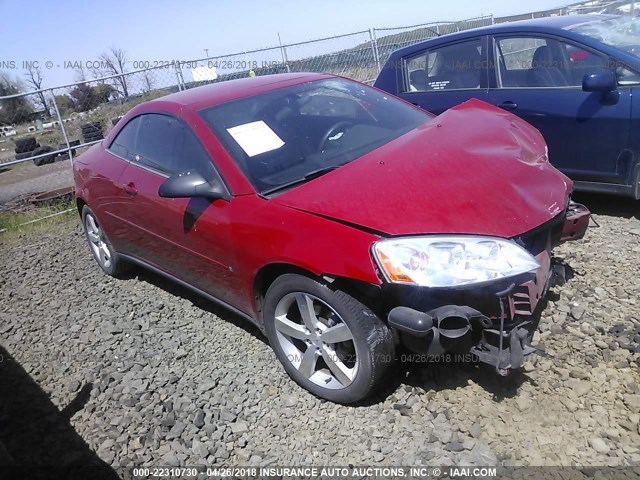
[{"x": 64, "y": 33}]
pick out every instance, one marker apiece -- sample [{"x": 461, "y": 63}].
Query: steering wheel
[{"x": 341, "y": 126}]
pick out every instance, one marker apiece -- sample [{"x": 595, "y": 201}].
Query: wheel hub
[{"x": 314, "y": 337}]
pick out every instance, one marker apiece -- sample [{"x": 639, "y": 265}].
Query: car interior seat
[
  {"x": 545, "y": 71},
  {"x": 418, "y": 80},
  {"x": 458, "y": 67}
]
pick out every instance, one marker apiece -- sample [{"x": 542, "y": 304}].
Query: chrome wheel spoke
[
  {"x": 92, "y": 225},
  {"x": 339, "y": 370},
  {"x": 93, "y": 237},
  {"x": 306, "y": 329},
  {"x": 104, "y": 260},
  {"x": 105, "y": 251},
  {"x": 308, "y": 364},
  {"x": 307, "y": 311},
  {"x": 336, "y": 334},
  {"x": 291, "y": 329}
]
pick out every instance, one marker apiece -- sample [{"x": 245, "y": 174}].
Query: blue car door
[
  {"x": 443, "y": 76},
  {"x": 539, "y": 78}
]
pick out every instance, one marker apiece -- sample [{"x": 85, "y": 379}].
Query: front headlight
[{"x": 451, "y": 260}]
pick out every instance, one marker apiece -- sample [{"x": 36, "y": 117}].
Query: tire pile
[
  {"x": 29, "y": 147},
  {"x": 65, "y": 155},
  {"x": 25, "y": 147},
  {"x": 91, "y": 132}
]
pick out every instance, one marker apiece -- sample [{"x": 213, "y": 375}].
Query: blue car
[{"x": 572, "y": 77}]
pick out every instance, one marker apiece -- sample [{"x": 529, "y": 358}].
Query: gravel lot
[{"x": 140, "y": 371}]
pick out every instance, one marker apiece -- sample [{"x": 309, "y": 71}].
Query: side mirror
[
  {"x": 604, "y": 81},
  {"x": 192, "y": 184}
]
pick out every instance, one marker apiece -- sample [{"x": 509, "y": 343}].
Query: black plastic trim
[{"x": 601, "y": 187}]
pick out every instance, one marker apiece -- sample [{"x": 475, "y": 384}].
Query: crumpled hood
[{"x": 474, "y": 169}]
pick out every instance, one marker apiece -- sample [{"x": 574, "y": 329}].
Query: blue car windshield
[
  {"x": 619, "y": 32},
  {"x": 291, "y": 135}
]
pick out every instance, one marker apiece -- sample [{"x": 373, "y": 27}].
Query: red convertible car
[{"x": 344, "y": 222}]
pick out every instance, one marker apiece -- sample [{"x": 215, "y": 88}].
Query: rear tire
[
  {"x": 103, "y": 253},
  {"x": 22, "y": 156},
  {"x": 91, "y": 126},
  {"x": 63, "y": 146},
  {"x": 92, "y": 138},
  {"x": 27, "y": 144},
  {"x": 43, "y": 160},
  {"x": 327, "y": 341},
  {"x": 91, "y": 132}
]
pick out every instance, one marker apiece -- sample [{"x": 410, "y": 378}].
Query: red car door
[
  {"x": 102, "y": 181},
  {"x": 189, "y": 238}
]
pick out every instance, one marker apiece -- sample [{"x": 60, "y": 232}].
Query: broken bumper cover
[
  {"x": 497, "y": 330},
  {"x": 576, "y": 222},
  {"x": 494, "y": 322}
]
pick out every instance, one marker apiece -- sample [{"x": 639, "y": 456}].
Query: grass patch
[{"x": 31, "y": 217}]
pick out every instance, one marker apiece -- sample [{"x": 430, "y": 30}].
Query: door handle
[
  {"x": 130, "y": 188},
  {"x": 508, "y": 105}
]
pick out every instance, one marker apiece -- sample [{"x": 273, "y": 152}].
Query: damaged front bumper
[{"x": 494, "y": 322}]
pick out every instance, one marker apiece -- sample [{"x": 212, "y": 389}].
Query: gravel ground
[{"x": 140, "y": 371}]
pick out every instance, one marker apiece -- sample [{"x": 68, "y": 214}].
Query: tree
[
  {"x": 80, "y": 73},
  {"x": 34, "y": 80},
  {"x": 13, "y": 110},
  {"x": 148, "y": 82},
  {"x": 65, "y": 104},
  {"x": 115, "y": 61},
  {"x": 84, "y": 98},
  {"x": 104, "y": 92}
]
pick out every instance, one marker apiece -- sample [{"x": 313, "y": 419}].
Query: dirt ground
[{"x": 24, "y": 180}]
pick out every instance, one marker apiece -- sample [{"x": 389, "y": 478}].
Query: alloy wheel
[
  {"x": 97, "y": 241},
  {"x": 316, "y": 340}
]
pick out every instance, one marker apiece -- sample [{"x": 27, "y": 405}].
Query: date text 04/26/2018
[{"x": 212, "y": 64}]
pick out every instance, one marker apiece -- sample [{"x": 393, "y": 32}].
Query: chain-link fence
[
  {"x": 50, "y": 125},
  {"x": 40, "y": 129},
  {"x": 390, "y": 39}
]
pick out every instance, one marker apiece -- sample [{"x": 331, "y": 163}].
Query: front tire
[
  {"x": 327, "y": 341},
  {"x": 101, "y": 249}
]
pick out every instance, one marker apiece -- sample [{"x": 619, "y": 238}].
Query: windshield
[
  {"x": 620, "y": 32},
  {"x": 294, "y": 134}
]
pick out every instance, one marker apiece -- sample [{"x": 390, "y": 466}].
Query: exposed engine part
[
  {"x": 445, "y": 329},
  {"x": 576, "y": 222},
  {"x": 461, "y": 329},
  {"x": 558, "y": 274}
]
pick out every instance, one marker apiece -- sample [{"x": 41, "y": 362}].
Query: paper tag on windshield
[{"x": 255, "y": 138}]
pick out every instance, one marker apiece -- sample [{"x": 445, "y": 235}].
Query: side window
[
  {"x": 581, "y": 62},
  {"x": 191, "y": 155},
  {"x": 452, "y": 67},
  {"x": 163, "y": 143},
  {"x": 626, "y": 76},
  {"x": 124, "y": 144},
  {"x": 534, "y": 62},
  {"x": 156, "y": 142}
]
